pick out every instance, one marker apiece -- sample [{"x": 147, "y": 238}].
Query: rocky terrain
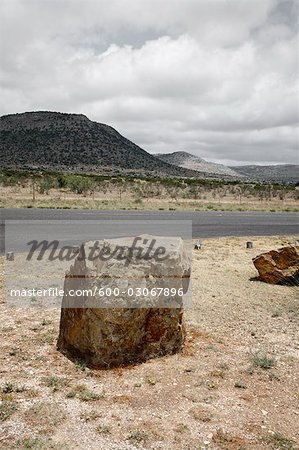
[{"x": 73, "y": 143}]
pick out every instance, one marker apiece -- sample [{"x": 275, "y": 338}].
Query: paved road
[{"x": 204, "y": 223}]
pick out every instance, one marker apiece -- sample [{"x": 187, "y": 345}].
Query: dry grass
[{"x": 45, "y": 416}]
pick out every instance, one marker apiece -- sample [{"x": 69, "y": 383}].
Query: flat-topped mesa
[
  {"x": 42, "y": 121},
  {"x": 135, "y": 311}
]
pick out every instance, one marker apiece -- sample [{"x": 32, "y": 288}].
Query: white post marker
[
  {"x": 10, "y": 256},
  {"x": 198, "y": 245}
]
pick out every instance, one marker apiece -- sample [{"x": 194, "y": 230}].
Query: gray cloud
[{"x": 216, "y": 78}]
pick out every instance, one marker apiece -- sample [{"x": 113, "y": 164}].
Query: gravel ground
[{"x": 235, "y": 385}]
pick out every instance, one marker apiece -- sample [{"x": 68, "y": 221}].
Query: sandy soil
[{"x": 234, "y": 387}]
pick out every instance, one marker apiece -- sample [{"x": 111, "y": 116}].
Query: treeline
[{"x": 174, "y": 188}]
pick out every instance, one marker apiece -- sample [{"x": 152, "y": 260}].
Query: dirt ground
[{"x": 235, "y": 386}]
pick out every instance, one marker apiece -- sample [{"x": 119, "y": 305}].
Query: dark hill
[{"x": 71, "y": 142}]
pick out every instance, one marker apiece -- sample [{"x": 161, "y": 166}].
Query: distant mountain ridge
[
  {"x": 281, "y": 173},
  {"x": 45, "y": 140},
  {"x": 192, "y": 162}
]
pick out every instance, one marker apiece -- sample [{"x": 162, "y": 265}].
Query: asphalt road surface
[{"x": 204, "y": 223}]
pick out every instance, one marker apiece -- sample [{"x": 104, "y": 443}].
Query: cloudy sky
[{"x": 216, "y": 78}]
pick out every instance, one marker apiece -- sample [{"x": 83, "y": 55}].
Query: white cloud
[{"x": 217, "y": 78}]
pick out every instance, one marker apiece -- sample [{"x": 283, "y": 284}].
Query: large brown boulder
[
  {"x": 278, "y": 266},
  {"x": 107, "y": 331}
]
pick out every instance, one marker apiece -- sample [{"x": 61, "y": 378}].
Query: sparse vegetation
[
  {"x": 103, "y": 429},
  {"x": 227, "y": 441},
  {"x": 71, "y": 394},
  {"x": 7, "y": 408},
  {"x": 9, "y": 387},
  {"x": 278, "y": 441},
  {"x": 218, "y": 373},
  {"x": 210, "y": 384},
  {"x": 45, "y": 416},
  {"x": 80, "y": 365},
  {"x": 138, "y": 437},
  {"x": 39, "y": 443},
  {"x": 263, "y": 360},
  {"x": 35, "y": 444},
  {"x": 54, "y": 382},
  {"x": 65, "y": 190},
  {"x": 87, "y": 395},
  {"x": 90, "y": 416},
  {"x": 151, "y": 381},
  {"x": 48, "y": 338}
]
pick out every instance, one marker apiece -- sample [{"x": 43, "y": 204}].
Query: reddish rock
[{"x": 278, "y": 266}]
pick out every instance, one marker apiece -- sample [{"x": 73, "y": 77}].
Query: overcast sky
[{"x": 215, "y": 78}]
